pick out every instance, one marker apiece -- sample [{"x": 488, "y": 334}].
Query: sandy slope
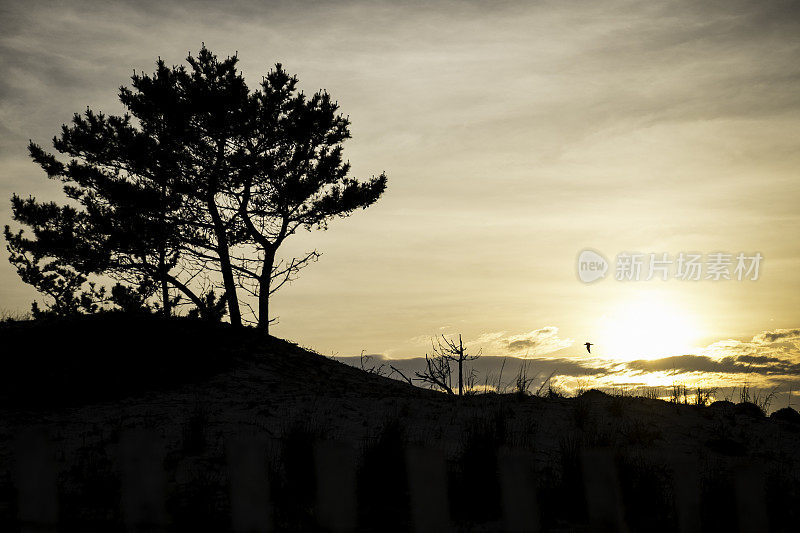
[{"x": 274, "y": 387}]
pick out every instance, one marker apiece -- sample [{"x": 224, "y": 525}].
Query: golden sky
[{"x": 514, "y": 136}]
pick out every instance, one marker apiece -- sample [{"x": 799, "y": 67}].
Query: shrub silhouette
[
  {"x": 787, "y": 414},
  {"x": 748, "y": 409},
  {"x": 722, "y": 405}
]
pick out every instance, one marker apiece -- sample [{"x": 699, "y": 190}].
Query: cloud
[
  {"x": 783, "y": 344},
  {"x": 770, "y": 353},
  {"x": 539, "y": 341},
  {"x": 746, "y": 364},
  {"x": 772, "y": 336},
  {"x": 420, "y": 340},
  {"x": 489, "y": 337}
]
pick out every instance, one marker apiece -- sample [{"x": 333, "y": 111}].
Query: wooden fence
[{"x": 143, "y": 488}]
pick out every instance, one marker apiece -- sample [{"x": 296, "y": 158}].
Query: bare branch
[
  {"x": 437, "y": 373},
  {"x": 405, "y": 378}
]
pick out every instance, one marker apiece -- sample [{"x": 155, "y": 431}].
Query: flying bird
[{"x": 588, "y": 346}]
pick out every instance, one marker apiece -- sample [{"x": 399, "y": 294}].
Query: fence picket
[
  {"x": 603, "y": 493},
  {"x": 37, "y": 489},
  {"x": 520, "y": 508},
  {"x": 336, "y": 486},
  {"x": 249, "y": 486},
  {"x": 427, "y": 482},
  {"x": 142, "y": 484}
]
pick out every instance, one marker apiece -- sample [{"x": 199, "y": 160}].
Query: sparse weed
[
  {"x": 745, "y": 392},
  {"x": 546, "y": 386},
  {"x": 679, "y": 393},
  {"x": 763, "y": 399},
  {"x": 470, "y": 384},
  {"x": 620, "y": 398},
  {"x": 651, "y": 393},
  {"x": 704, "y": 396},
  {"x": 581, "y": 386},
  {"x": 554, "y": 391},
  {"x": 523, "y": 382}
]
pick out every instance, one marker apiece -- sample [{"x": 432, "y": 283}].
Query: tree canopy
[{"x": 193, "y": 189}]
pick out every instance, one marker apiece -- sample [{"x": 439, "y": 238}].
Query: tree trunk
[
  {"x": 230, "y": 286},
  {"x": 263, "y": 289},
  {"x": 162, "y": 269},
  {"x": 162, "y": 256},
  {"x": 225, "y": 265},
  {"x": 460, "y": 367},
  {"x": 165, "y": 298}
]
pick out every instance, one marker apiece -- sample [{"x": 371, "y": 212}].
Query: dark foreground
[{"x": 118, "y": 423}]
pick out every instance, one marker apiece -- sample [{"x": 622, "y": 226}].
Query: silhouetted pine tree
[
  {"x": 117, "y": 174},
  {"x": 201, "y": 176},
  {"x": 295, "y": 177},
  {"x": 201, "y": 118},
  {"x": 57, "y": 260}
]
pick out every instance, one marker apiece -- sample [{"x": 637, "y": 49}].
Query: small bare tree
[{"x": 438, "y": 372}]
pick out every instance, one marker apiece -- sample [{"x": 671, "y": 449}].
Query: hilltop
[
  {"x": 54, "y": 363},
  {"x": 83, "y": 386}
]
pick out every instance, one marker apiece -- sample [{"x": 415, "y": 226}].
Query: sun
[{"x": 647, "y": 326}]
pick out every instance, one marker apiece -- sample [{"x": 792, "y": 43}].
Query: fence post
[
  {"x": 603, "y": 493},
  {"x": 336, "y": 486},
  {"x": 751, "y": 498},
  {"x": 143, "y": 483},
  {"x": 249, "y": 486},
  {"x": 37, "y": 488},
  {"x": 427, "y": 484},
  {"x": 517, "y": 481},
  {"x": 686, "y": 484}
]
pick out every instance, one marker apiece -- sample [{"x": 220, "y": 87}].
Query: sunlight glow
[{"x": 646, "y": 327}]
